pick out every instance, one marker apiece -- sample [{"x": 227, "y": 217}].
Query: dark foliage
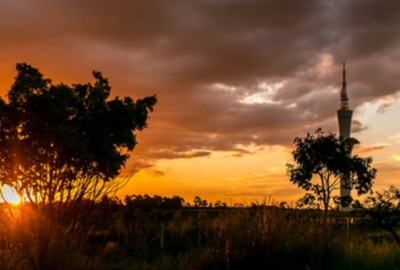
[
  {"x": 61, "y": 144},
  {"x": 328, "y": 158}
]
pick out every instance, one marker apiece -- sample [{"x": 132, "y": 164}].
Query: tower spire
[
  {"x": 344, "y": 118},
  {"x": 344, "y": 100}
]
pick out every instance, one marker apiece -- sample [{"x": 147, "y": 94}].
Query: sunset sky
[{"x": 236, "y": 81}]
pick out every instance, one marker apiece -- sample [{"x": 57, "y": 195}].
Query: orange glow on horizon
[{"x": 220, "y": 177}]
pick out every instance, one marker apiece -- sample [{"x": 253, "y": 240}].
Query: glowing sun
[{"x": 10, "y": 196}]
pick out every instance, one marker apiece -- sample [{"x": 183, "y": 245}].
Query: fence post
[{"x": 162, "y": 236}]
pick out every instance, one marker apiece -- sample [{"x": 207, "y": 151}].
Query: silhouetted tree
[
  {"x": 109, "y": 204},
  {"x": 327, "y": 157},
  {"x": 175, "y": 202},
  {"x": 219, "y": 204},
  {"x": 197, "y": 201},
  {"x": 308, "y": 201},
  {"x": 60, "y": 144},
  {"x": 146, "y": 202},
  {"x": 384, "y": 210}
]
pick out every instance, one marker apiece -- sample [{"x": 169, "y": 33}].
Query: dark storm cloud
[
  {"x": 368, "y": 27},
  {"x": 214, "y": 64}
]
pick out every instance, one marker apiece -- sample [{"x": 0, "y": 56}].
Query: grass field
[{"x": 199, "y": 238}]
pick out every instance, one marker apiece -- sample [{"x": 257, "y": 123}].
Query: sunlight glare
[{"x": 10, "y": 195}]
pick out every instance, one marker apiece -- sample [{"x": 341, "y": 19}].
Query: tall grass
[
  {"x": 242, "y": 238},
  {"x": 31, "y": 241}
]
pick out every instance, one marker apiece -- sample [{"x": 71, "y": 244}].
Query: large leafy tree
[
  {"x": 61, "y": 145},
  {"x": 320, "y": 161}
]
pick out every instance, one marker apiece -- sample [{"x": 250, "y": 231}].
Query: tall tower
[{"x": 344, "y": 118}]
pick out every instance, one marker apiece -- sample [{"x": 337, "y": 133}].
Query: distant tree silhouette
[
  {"x": 175, "y": 202},
  {"x": 109, "y": 204},
  {"x": 146, "y": 202},
  {"x": 198, "y": 202},
  {"x": 327, "y": 157},
  {"x": 219, "y": 204},
  {"x": 384, "y": 210},
  {"x": 61, "y": 145}
]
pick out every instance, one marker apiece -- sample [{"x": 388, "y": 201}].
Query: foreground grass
[{"x": 266, "y": 238}]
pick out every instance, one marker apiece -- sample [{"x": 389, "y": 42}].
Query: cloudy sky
[{"x": 236, "y": 80}]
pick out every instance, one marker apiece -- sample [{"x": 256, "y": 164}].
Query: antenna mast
[{"x": 344, "y": 100}]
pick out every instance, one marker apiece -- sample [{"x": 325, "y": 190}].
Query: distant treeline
[
  {"x": 146, "y": 202},
  {"x": 159, "y": 202}
]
